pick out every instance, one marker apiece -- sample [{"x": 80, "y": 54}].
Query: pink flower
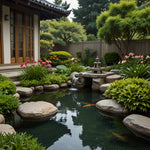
[
  {"x": 21, "y": 65},
  {"x": 45, "y": 66},
  {"x": 48, "y": 66},
  {"x": 126, "y": 57},
  {"x": 32, "y": 59},
  {"x": 147, "y": 57},
  {"x": 27, "y": 61},
  {"x": 142, "y": 57},
  {"x": 119, "y": 62},
  {"x": 39, "y": 60},
  {"x": 131, "y": 54},
  {"x": 43, "y": 63},
  {"x": 141, "y": 62},
  {"x": 124, "y": 61},
  {"x": 35, "y": 61},
  {"x": 25, "y": 64},
  {"x": 137, "y": 57}
]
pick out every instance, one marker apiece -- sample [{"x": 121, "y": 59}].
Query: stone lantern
[{"x": 97, "y": 66}]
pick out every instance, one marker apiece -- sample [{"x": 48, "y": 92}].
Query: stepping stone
[
  {"x": 63, "y": 85},
  {"x": 116, "y": 71},
  {"x": 6, "y": 129},
  {"x": 39, "y": 88},
  {"x": 138, "y": 123},
  {"x": 51, "y": 87},
  {"x": 17, "y": 95},
  {"x": 2, "y": 119},
  {"x": 17, "y": 83},
  {"x": 111, "y": 106},
  {"x": 109, "y": 73},
  {"x": 112, "y": 78},
  {"x": 24, "y": 91},
  {"x": 104, "y": 87},
  {"x": 36, "y": 110}
]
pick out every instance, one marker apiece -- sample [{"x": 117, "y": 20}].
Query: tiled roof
[{"x": 46, "y": 3}]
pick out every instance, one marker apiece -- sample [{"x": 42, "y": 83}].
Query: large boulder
[
  {"x": 112, "y": 78},
  {"x": 36, "y": 110},
  {"x": 138, "y": 123},
  {"x": 6, "y": 129},
  {"x": 51, "y": 87},
  {"x": 24, "y": 91},
  {"x": 111, "y": 106},
  {"x": 2, "y": 119},
  {"x": 73, "y": 75},
  {"x": 104, "y": 87},
  {"x": 95, "y": 84}
]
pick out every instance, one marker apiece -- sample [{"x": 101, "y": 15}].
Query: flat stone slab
[
  {"x": 36, "y": 110},
  {"x": 112, "y": 78},
  {"x": 2, "y": 119},
  {"x": 24, "y": 91},
  {"x": 51, "y": 87},
  {"x": 111, "y": 106},
  {"x": 104, "y": 87},
  {"x": 6, "y": 129},
  {"x": 63, "y": 85},
  {"x": 91, "y": 75},
  {"x": 138, "y": 123}
]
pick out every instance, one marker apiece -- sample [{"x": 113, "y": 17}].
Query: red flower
[
  {"x": 39, "y": 60},
  {"x": 21, "y": 65},
  {"x": 27, "y": 61},
  {"x": 33, "y": 65},
  {"x": 25, "y": 64},
  {"x": 39, "y": 65},
  {"x": 43, "y": 63},
  {"x": 35, "y": 61}
]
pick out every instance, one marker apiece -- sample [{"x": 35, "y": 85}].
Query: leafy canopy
[
  {"x": 123, "y": 22},
  {"x": 88, "y": 11},
  {"x": 62, "y": 32}
]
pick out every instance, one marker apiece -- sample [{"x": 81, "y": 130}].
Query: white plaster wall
[
  {"x": 6, "y": 34},
  {"x": 36, "y": 37}
]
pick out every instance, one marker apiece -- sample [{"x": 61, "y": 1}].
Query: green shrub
[
  {"x": 44, "y": 56},
  {"x": 91, "y": 37},
  {"x": 33, "y": 73},
  {"x": 28, "y": 83},
  {"x": 19, "y": 141},
  {"x": 3, "y": 78},
  {"x": 8, "y": 103},
  {"x": 62, "y": 55},
  {"x": 111, "y": 58},
  {"x": 76, "y": 68},
  {"x": 7, "y": 87},
  {"x": 133, "y": 93},
  {"x": 79, "y": 54}
]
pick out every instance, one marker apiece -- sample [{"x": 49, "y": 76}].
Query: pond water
[{"x": 80, "y": 128}]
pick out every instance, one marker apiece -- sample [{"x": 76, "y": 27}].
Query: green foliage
[
  {"x": 90, "y": 56},
  {"x": 44, "y": 56},
  {"x": 61, "y": 69},
  {"x": 111, "y": 58},
  {"x": 3, "y": 78},
  {"x": 62, "y": 31},
  {"x": 19, "y": 141},
  {"x": 62, "y": 55},
  {"x": 91, "y": 37},
  {"x": 75, "y": 68},
  {"x": 65, "y": 5},
  {"x": 79, "y": 54},
  {"x": 133, "y": 93},
  {"x": 88, "y": 11},
  {"x": 123, "y": 22},
  {"x": 46, "y": 45},
  {"x": 55, "y": 78},
  {"x": 8, "y": 103},
  {"x": 33, "y": 73},
  {"x": 29, "y": 83},
  {"x": 7, "y": 87}
]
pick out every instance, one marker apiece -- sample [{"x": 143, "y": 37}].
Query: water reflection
[{"x": 78, "y": 128}]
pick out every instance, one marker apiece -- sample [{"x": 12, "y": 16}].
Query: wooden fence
[{"x": 139, "y": 47}]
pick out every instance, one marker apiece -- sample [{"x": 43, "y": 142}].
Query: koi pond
[{"x": 75, "y": 127}]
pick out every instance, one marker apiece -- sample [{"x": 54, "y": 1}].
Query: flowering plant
[{"x": 135, "y": 66}]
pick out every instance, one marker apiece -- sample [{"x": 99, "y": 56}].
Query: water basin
[{"x": 80, "y": 128}]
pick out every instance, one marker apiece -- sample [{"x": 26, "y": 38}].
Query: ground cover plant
[
  {"x": 133, "y": 93},
  {"x": 19, "y": 141}
]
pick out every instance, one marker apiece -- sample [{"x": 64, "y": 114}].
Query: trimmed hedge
[{"x": 62, "y": 55}]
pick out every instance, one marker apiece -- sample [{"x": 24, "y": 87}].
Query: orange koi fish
[{"x": 89, "y": 105}]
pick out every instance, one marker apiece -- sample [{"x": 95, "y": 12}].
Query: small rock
[
  {"x": 138, "y": 123},
  {"x": 104, "y": 87},
  {"x": 6, "y": 129},
  {"x": 17, "y": 95},
  {"x": 111, "y": 106},
  {"x": 17, "y": 83},
  {"x": 69, "y": 82},
  {"x": 2, "y": 119},
  {"x": 36, "y": 110},
  {"x": 51, "y": 87},
  {"x": 112, "y": 78},
  {"x": 63, "y": 85},
  {"x": 39, "y": 88},
  {"x": 32, "y": 87},
  {"x": 24, "y": 91}
]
